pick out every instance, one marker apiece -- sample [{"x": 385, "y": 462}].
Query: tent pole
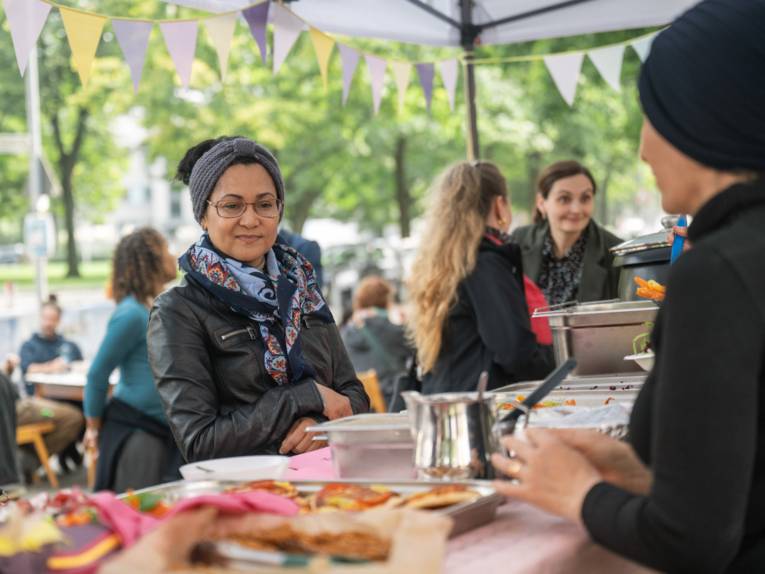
[
  {"x": 473, "y": 145},
  {"x": 468, "y": 35}
]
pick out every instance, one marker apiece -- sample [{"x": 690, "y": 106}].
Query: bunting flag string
[{"x": 26, "y": 19}]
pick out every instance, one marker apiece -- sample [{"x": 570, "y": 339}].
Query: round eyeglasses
[{"x": 228, "y": 208}]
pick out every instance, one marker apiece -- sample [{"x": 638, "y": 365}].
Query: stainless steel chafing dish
[
  {"x": 599, "y": 334},
  {"x": 378, "y": 446}
]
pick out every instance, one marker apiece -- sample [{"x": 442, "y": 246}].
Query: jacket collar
[{"x": 726, "y": 205}]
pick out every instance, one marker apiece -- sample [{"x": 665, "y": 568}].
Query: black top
[
  {"x": 698, "y": 421},
  {"x": 599, "y": 279},
  {"x": 559, "y": 278},
  {"x": 489, "y": 328}
]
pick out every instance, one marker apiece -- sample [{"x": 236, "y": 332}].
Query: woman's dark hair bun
[
  {"x": 183, "y": 173},
  {"x": 52, "y": 298}
]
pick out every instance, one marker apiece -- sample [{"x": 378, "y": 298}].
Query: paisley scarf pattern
[{"x": 276, "y": 298}]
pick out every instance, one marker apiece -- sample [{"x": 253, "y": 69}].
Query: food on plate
[
  {"x": 540, "y": 405},
  {"x": 354, "y": 545},
  {"x": 440, "y": 496},
  {"x": 650, "y": 289},
  {"x": 340, "y": 496}
]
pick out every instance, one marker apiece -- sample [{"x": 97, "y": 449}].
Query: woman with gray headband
[{"x": 245, "y": 351}]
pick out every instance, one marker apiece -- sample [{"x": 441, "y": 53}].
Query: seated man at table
[
  {"x": 68, "y": 420},
  {"x": 48, "y": 351}
]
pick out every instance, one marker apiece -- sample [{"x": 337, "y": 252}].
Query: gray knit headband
[{"x": 210, "y": 167}]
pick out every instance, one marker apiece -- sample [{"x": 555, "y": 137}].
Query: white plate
[
  {"x": 263, "y": 467},
  {"x": 645, "y": 360}
]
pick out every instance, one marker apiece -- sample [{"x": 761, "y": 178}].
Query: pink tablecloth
[{"x": 522, "y": 539}]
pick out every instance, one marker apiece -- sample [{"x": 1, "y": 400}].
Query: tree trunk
[
  {"x": 403, "y": 197},
  {"x": 603, "y": 193},
  {"x": 300, "y": 210},
  {"x": 67, "y": 159},
  {"x": 533, "y": 165},
  {"x": 72, "y": 263}
]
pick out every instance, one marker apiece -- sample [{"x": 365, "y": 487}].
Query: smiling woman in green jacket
[{"x": 565, "y": 252}]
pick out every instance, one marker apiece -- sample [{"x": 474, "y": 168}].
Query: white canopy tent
[{"x": 466, "y": 23}]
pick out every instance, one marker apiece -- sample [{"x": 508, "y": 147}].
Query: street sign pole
[{"x": 35, "y": 157}]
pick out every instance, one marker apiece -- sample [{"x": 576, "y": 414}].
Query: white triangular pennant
[
  {"x": 376, "y": 68},
  {"x": 181, "y": 41},
  {"x": 643, "y": 46},
  {"x": 221, "y": 31},
  {"x": 608, "y": 61},
  {"x": 449, "y": 70},
  {"x": 287, "y": 29},
  {"x": 401, "y": 73},
  {"x": 350, "y": 60},
  {"x": 564, "y": 69},
  {"x": 26, "y": 19}
]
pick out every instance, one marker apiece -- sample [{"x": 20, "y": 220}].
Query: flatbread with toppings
[
  {"x": 440, "y": 496},
  {"x": 338, "y": 496}
]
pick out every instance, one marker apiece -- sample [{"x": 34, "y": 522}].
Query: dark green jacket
[{"x": 599, "y": 277}]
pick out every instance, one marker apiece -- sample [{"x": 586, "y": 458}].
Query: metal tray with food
[{"x": 470, "y": 504}]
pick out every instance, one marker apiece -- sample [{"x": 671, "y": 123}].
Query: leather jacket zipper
[{"x": 249, "y": 330}]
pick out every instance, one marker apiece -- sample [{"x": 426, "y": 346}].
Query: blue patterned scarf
[{"x": 276, "y": 299}]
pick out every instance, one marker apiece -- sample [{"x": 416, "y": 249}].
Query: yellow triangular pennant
[
  {"x": 221, "y": 31},
  {"x": 401, "y": 73},
  {"x": 83, "y": 32},
  {"x": 323, "y": 45}
]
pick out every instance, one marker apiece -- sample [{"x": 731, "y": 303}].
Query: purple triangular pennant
[
  {"x": 181, "y": 40},
  {"x": 426, "y": 73},
  {"x": 133, "y": 38},
  {"x": 26, "y": 19},
  {"x": 257, "y": 17},
  {"x": 350, "y": 60}
]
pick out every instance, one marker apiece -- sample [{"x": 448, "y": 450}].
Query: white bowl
[
  {"x": 645, "y": 360},
  {"x": 263, "y": 467}
]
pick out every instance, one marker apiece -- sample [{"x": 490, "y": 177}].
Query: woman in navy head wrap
[{"x": 687, "y": 494}]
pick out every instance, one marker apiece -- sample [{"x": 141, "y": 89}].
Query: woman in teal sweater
[{"x": 130, "y": 431}]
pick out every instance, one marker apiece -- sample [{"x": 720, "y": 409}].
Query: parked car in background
[{"x": 12, "y": 253}]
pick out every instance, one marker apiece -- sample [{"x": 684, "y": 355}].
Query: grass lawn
[{"x": 93, "y": 274}]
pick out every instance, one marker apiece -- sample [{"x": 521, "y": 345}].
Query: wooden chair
[
  {"x": 33, "y": 434},
  {"x": 372, "y": 387}
]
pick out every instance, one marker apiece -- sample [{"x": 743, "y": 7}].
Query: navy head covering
[{"x": 703, "y": 84}]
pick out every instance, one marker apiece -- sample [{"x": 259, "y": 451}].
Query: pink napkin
[
  {"x": 314, "y": 465},
  {"x": 130, "y": 525}
]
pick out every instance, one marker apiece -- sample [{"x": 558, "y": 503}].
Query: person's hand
[
  {"x": 336, "y": 406},
  {"x": 58, "y": 365},
  {"x": 90, "y": 440},
  {"x": 11, "y": 362},
  {"x": 167, "y": 547},
  {"x": 615, "y": 460},
  {"x": 550, "y": 474},
  {"x": 682, "y": 232},
  {"x": 298, "y": 440}
]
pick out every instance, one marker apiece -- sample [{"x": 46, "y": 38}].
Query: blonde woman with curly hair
[{"x": 469, "y": 311}]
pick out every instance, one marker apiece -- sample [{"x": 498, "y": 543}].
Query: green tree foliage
[{"x": 338, "y": 161}]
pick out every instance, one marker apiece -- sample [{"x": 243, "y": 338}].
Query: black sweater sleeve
[
  {"x": 703, "y": 420},
  {"x": 503, "y": 317}
]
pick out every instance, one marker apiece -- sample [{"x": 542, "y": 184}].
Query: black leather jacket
[{"x": 208, "y": 365}]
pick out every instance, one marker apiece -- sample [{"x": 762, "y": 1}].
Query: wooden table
[{"x": 68, "y": 386}]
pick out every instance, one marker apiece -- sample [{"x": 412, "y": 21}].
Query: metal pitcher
[{"x": 453, "y": 434}]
